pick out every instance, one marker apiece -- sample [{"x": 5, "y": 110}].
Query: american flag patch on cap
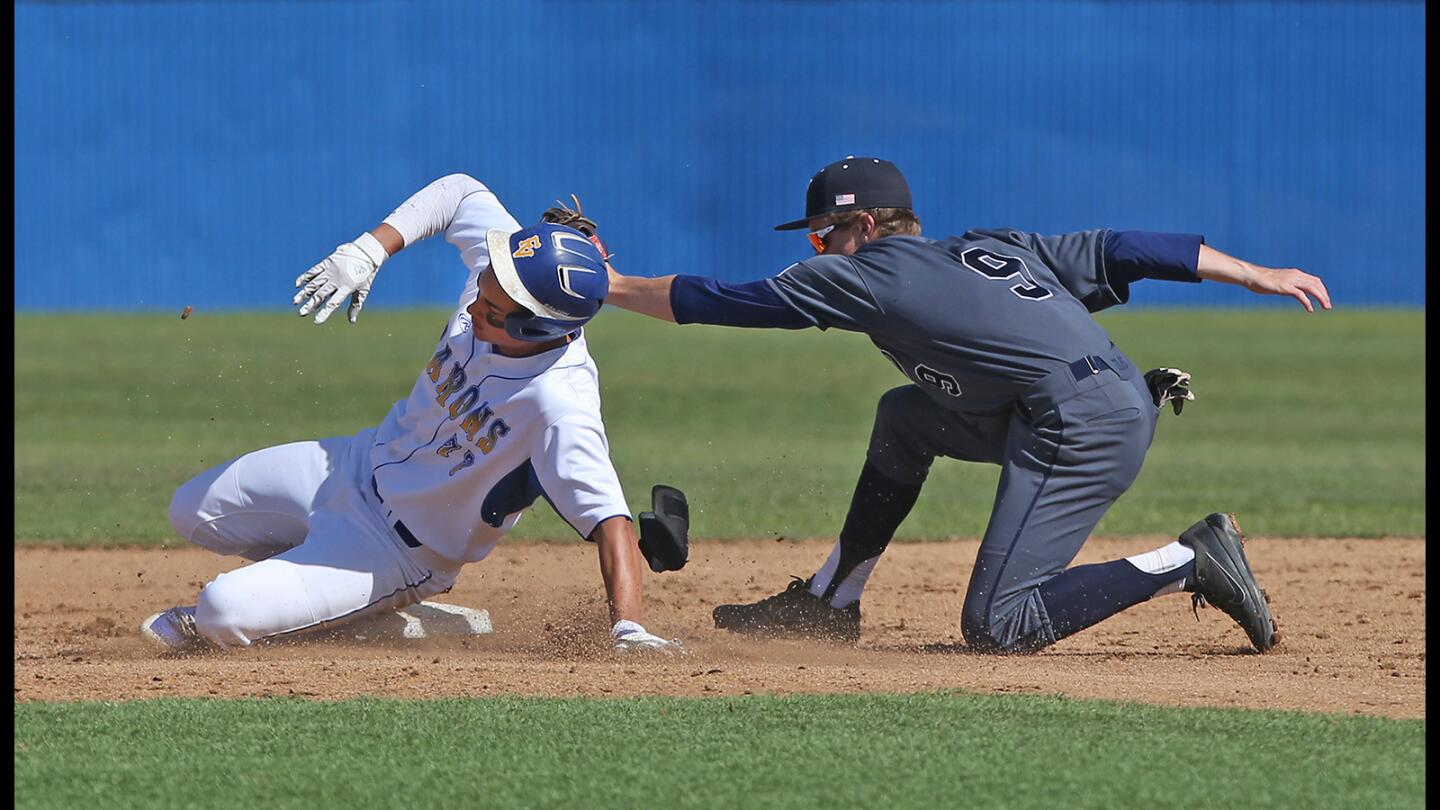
[{"x": 844, "y": 199}]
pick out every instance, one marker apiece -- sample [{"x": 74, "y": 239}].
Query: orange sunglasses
[{"x": 817, "y": 238}]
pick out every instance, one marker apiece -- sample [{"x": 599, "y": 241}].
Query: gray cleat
[
  {"x": 1223, "y": 578},
  {"x": 173, "y": 630}
]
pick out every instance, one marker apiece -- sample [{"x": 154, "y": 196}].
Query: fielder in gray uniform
[{"x": 1006, "y": 366}]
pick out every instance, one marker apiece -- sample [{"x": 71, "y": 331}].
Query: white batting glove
[
  {"x": 348, "y": 272},
  {"x": 628, "y": 635}
]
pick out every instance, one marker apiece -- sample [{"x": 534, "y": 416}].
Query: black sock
[
  {"x": 877, "y": 508},
  {"x": 1079, "y": 597}
]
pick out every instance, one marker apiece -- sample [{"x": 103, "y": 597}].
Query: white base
[{"x": 425, "y": 620}]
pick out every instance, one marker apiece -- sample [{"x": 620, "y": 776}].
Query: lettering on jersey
[
  {"x": 453, "y": 382},
  {"x": 479, "y": 430},
  {"x": 937, "y": 379},
  {"x": 475, "y": 420},
  {"x": 465, "y": 401},
  {"x": 527, "y": 247},
  {"x": 451, "y": 445},
  {"x": 467, "y": 461},
  {"x": 1000, "y": 267},
  {"x": 438, "y": 362},
  {"x": 497, "y": 431}
]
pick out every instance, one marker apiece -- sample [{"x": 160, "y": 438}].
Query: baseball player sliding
[
  {"x": 506, "y": 410},
  {"x": 1006, "y": 366}
]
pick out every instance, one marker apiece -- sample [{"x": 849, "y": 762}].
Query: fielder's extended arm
[
  {"x": 647, "y": 296},
  {"x": 1297, "y": 284},
  {"x": 698, "y": 299}
]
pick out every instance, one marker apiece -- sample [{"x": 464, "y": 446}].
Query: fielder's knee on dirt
[
  {"x": 1017, "y": 630},
  {"x": 978, "y": 631}
]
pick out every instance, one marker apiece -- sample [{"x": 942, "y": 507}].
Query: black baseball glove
[
  {"x": 665, "y": 532},
  {"x": 1169, "y": 385},
  {"x": 563, "y": 214}
]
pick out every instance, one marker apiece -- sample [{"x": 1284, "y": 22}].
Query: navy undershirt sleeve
[
  {"x": 697, "y": 299},
  {"x": 1133, "y": 255}
]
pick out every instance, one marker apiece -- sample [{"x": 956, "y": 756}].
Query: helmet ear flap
[{"x": 522, "y": 325}]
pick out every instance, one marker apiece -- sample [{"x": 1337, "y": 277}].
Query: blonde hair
[{"x": 888, "y": 221}]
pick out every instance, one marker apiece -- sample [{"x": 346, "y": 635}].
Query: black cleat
[
  {"x": 792, "y": 613},
  {"x": 1223, "y": 578}
]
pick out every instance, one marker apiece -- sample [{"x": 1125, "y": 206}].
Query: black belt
[
  {"x": 1087, "y": 366},
  {"x": 407, "y": 536}
]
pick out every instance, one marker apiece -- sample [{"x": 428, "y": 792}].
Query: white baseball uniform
[{"x": 355, "y": 525}]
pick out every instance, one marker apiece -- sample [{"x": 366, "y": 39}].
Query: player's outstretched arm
[
  {"x": 457, "y": 205},
  {"x": 1297, "y": 284},
  {"x": 346, "y": 273},
  {"x": 698, "y": 299},
  {"x": 621, "y": 566},
  {"x": 647, "y": 296}
]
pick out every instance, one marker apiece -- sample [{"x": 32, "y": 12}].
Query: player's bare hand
[
  {"x": 627, "y": 636},
  {"x": 346, "y": 273},
  {"x": 1295, "y": 283}
]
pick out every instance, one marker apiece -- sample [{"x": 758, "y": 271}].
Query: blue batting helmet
[{"x": 553, "y": 271}]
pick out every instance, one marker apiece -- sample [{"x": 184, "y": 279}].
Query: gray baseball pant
[{"x": 1072, "y": 445}]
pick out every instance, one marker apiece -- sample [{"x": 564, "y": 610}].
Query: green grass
[
  {"x": 923, "y": 751},
  {"x": 1304, "y": 425}
]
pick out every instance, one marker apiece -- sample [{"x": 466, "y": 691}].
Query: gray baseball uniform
[{"x": 995, "y": 328}]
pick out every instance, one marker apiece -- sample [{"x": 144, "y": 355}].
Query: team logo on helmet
[{"x": 527, "y": 247}]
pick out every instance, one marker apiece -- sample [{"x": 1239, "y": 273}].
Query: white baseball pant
[{"x": 324, "y": 553}]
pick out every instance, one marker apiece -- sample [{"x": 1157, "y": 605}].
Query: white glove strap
[{"x": 372, "y": 248}]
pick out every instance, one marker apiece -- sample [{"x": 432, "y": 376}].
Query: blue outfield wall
[{"x": 206, "y": 153}]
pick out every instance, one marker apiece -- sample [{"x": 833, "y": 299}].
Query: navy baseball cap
[{"x": 852, "y": 184}]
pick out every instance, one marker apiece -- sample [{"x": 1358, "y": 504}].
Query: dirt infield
[{"x": 1351, "y": 613}]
